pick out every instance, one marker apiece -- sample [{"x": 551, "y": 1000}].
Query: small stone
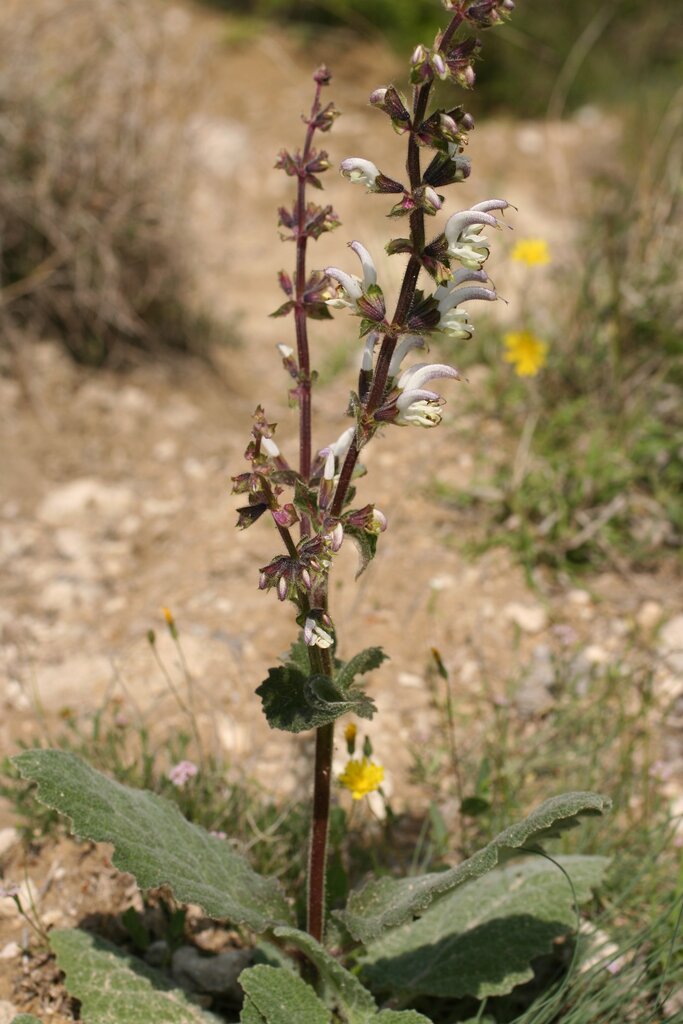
[
  {"x": 80, "y": 498},
  {"x": 16, "y": 696},
  {"x": 411, "y": 681},
  {"x": 233, "y": 735},
  {"x": 594, "y": 654},
  {"x": 10, "y": 951},
  {"x": 581, "y": 598},
  {"x": 157, "y": 953},
  {"x": 9, "y": 837},
  {"x": 534, "y": 692},
  {"x": 529, "y": 618},
  {"x": 215, "y": 975},
  {"x": 165, "y": 451},
  {"x": 195, "y": 469},
  {"x": 671, "y": 643},
  {"x": 444, "y": 582},
  {"x": 72, "y": 545},
  {"x": 7, "y": 1012},
  {"x": 649, "y": 614}
]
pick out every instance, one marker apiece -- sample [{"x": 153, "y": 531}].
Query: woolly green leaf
[
  {"x": 388, "y": 902},
  {"x": 366, "y": 544},
  {"x": 480, "y": 939},
  {"x": 276, "y": 996},
  {"x": 343, "y": 991},
  {"x": 154, "y": 842},
  {"x": 25, "y": 1018},
  {"x": 359, "y": 664},
  {"x": 295, "y": 702},
  {"x": 115, "y": 988}
]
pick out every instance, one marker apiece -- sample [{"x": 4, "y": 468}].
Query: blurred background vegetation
[{"x": 640, "y": 52}]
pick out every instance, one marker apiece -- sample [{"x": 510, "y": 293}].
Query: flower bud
[{"x": 323, "y": 75}]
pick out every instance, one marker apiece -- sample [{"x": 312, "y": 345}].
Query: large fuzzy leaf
[
  {"x": 387, "y": 903},
  {"x": 154, "y": 842},
  {"x": 295, "y": 702},
  {"x": 359, "y": 664},
  {"x": 274, "y": 995},
  {"x": 114, "y": 988},
  {"x": 480, "y": 939},
  {"x": 342, "y": 990}
]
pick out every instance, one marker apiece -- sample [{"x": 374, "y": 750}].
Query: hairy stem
[
  {"x": 321, "y": 662},
  {"x": 300, "y": 322}
]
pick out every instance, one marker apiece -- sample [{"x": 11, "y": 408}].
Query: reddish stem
[
  {"x": 324, "y": 741},
  {"x": 300, "y": 323}
]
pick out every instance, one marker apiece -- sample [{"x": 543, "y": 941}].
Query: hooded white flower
[
  {"x": 270, "y": 448},
  {"x": 405, "y": 345},
  {"x": 359, "y": 171},
  {"x": 416, "y": 404},
  {"x": 351, "y": 288},
  {"x": 463, "y": 233},
  {"x": 455, "y": 322},
  {"x": 315, "y": 635}
]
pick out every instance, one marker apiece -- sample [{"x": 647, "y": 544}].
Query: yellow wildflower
[
  {"x": 362, "y": 777},
  {"x": 350, "y": 732},
  {"x": 533, "y": 252},
  {"x": 526, "y": 351},
  {"x": 168, "y": 615}
]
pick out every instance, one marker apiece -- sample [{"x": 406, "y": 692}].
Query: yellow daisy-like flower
[
  {"x": 533, "y": 252},
  {"x": 526, "y": 351},
  {"x": 362, "y": 777}
]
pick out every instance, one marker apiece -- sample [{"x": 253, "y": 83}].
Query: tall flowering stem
[
  {"x": 313, "y": 686},
  {"x": 407, "y": 293},
  {"x": 300, "y": 321}
]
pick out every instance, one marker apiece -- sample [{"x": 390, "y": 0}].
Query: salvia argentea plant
[{"x": 390, "y": 926}]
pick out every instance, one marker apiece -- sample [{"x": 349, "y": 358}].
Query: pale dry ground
[{"x": 115, "y": 492}]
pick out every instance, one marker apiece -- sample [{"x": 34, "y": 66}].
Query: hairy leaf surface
[
  {"x": 115, "y": 988},
  {"x": 296, "y": 702},
  {"x": 365, "y": 661},
  {"x": 342, "y": 989},
  {"x": 387, "y": 902},
  {"x": 154, "y": 842},
  {"x": 276, "y": 996},
  {"x": 480, "y": 939}
]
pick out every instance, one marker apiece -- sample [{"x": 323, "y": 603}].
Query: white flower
[
  {"x": 463, "y": 233},
  {"x": 455, "y": 322},
  {"x": 405, "y": 345},
  {"x": 366, "y": 362},
  {"x": 416, "y": 404},
  {"x": 359, "y": 171},
  {"x": 269, "y": 447},
  {"x": 285, "y": 350},
  {"x": 341, "y": 446},
  {"x": 351, "y": 288},
  {"x": 315, "y": 635}
]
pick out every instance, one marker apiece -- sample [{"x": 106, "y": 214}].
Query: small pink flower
[{"x": 182, "y": 772}]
